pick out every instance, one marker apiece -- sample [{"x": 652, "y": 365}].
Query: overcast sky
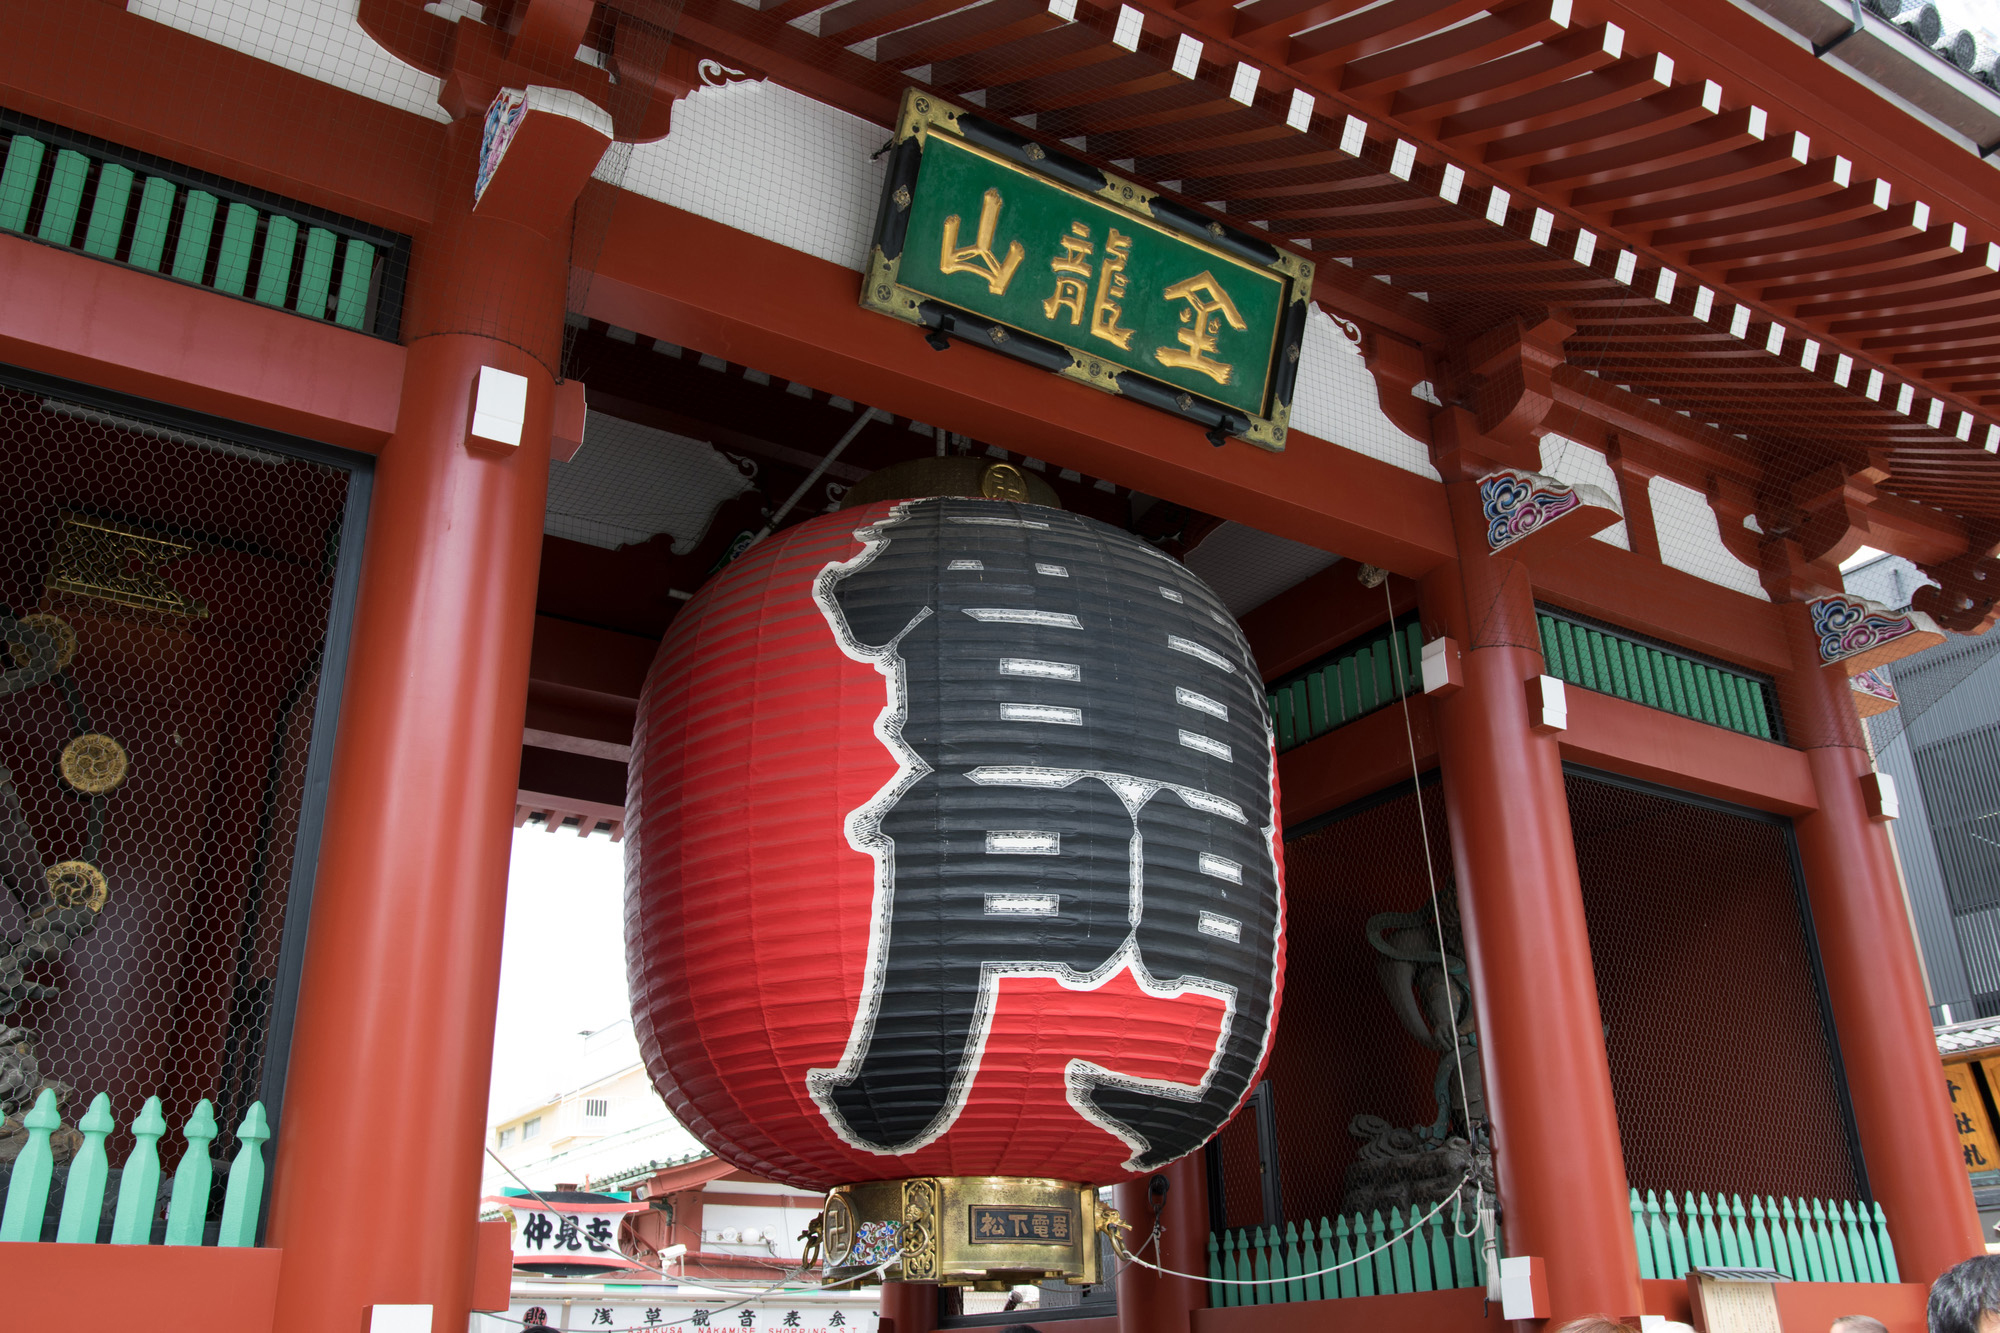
[{"x": 563, "y": 968}]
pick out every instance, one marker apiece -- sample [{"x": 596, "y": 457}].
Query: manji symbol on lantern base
[{"x": 981, "y": 1231}]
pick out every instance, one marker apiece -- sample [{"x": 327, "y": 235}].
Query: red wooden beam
[
  {"x": 64, "y": 313},
  {"x": 758, "y": 303}
]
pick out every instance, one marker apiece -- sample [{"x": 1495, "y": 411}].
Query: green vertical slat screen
[
  {"x": 1807, "y": 1240},
  {"x": 48, "y": 190},
  {"x": 316, "y": 274},
  {"x": 1369, "y": 1255},
  {"x": 1359, "y": 680},
  {"x": 149, "y": 233},
  {"x": 1610, "y": 663},
  {"x": 17, "y": 181},
  {"x": 107, "y": 211},
  {"x": 274, "y": 275},
  {"x": 239, "y": 237},
  {"x": 25, "y": 1212},
  {"x": 197, "y": 226},
  {"x": 354, "y": 278},
  {"x": 65, "y": 199}
]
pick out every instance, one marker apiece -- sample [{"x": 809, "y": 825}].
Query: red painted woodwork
[
  {"x": 100, "y": 70},
  {"x": 1548, "y": 1084},
  {"x": 493, "y": 1269},
  {"x": 1811, "y": 1307},
  {"x": 1624, "y": 588},
  {"x": 1150, "y": 1302},
  {"x": 172, "y": 1289},
  {"x": 1646, "y": 743},
  {"x": 1807, "y": 1307},
  {"x": 402, "y": 959},
  {"x": 757, "y": 303},
  {"x": 537, "y": 179},
  {"x": 64, "y": 313},
  {"x": 1874, "y": 979},
  {"x": 1318, "y": 614},
  {"x": 909, "y": 1307},
  {"x": 1356, "y": 760},
  {"x": 1410, "y": 1312}
]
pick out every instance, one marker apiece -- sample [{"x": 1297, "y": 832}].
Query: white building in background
[
  {"x": 603, "y": 1127},
  {"x": 602, "y": 1118}
]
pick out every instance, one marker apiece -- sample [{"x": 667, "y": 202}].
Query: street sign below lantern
[{"x": 954, "y": 880}]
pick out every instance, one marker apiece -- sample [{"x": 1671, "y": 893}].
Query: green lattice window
[
  {"x": 1628, "y": 666},
  {"x": 69, "y": 190},
  {"x": 1350, "y": 682}
]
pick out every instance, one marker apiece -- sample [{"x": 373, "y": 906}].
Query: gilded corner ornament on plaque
[{"x": 989, "y": 237}]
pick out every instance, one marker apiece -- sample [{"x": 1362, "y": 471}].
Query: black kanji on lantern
[{"x": 1084, "y": 785}]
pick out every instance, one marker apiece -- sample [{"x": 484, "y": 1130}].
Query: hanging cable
[
  {"x": 1416, "y": 1224},
  {"x": 1437, "y": 915}
]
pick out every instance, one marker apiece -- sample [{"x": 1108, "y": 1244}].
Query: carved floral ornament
[
  {"x": 1874, "y": 692},
  {"x": 1517, "y": 503},
  {"x": 1850, "y": 629}
]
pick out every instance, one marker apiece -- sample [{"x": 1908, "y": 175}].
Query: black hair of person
[{"x": 1964, "y": 1293}]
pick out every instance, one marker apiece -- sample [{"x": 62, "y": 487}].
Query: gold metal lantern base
[{"x": 964, "y": 1231}]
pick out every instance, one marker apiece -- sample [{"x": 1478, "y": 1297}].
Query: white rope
[
  {"x": 1437, "y": 917},
  {"x": 1411, "y": 1230}
]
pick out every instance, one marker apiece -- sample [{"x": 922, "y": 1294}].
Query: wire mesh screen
[
  {"x": 1354, "y": 1088},
  {"x": 1720, "y": 1061},
  {"x": 164, "y": 602}
]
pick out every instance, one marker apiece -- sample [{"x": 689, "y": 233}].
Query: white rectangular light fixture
[
  {"x": 1300, "y": 117},
  {"x": 499, "y": 413},
  {"x": 1187, "y": 56},
  {"x": 1244, "y": 88},
  {"x": 1130, "y": 24}
]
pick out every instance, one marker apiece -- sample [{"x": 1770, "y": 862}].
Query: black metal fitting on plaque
[{"x": 1068, "y": 170}]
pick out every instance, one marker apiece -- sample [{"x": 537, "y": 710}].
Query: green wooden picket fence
[
  {"x": 1808, "y": 1240},
  {"x": 1433, "y": 1257},
  {"x": 1360, "y": 680},
  {"x": 57, "y": 189},
  {"x": 82, "y": 1214},
  {"x": 1643, "y": 673}
]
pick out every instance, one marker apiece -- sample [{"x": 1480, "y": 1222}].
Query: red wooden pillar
[
  {"x": 379, "y": 1154},
  {"x": 1548, "y": 1083},
  {"x": 909, "y": 1307},
  {"x": 1873, "y": 978},
  {"x": 1147, "y": 1301}
]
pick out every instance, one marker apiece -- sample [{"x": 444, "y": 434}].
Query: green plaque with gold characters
[{"x": 990, "y": 238}]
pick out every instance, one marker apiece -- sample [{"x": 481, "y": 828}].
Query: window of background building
[
  {"x": 506, "y": 1137},
  {"x": 530, "y": 1128},
  {"x": 596, "y": 1108}
]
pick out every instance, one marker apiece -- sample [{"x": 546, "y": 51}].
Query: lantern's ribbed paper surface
[{"x": 933, "y": 868}]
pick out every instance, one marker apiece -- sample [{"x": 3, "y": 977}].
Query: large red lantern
[{"x": 953, "y": 852}]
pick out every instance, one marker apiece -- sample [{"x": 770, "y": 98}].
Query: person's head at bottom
[
  {"x": 1858, "y": 1323},
  {"x": 1596, "y": 1323},
  {"x": 1967, "y": 1298}
]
